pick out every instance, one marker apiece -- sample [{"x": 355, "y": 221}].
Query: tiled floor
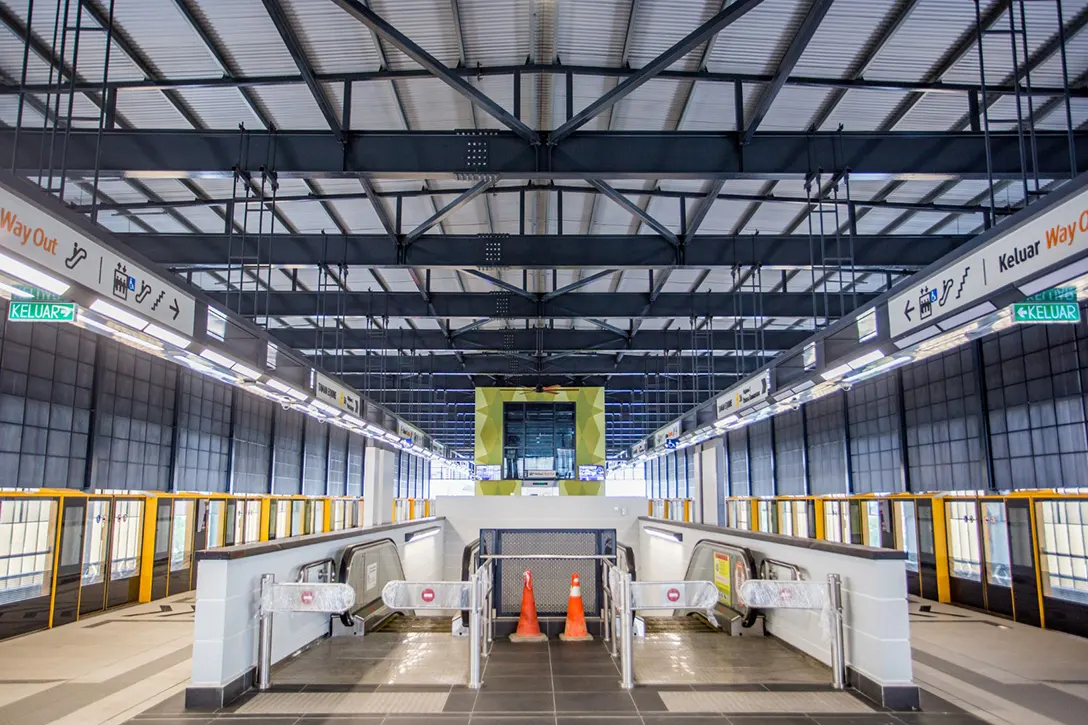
[
  {"x": 533, "y": 684},
  {"x": 1004, "y": 672}
]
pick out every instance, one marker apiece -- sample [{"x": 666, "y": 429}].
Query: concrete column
[
  {"x": 378, "y": 484},
  {"x": 709, "y": 489}
]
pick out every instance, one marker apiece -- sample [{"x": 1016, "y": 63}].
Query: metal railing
[{"x": 321, "y": 571}]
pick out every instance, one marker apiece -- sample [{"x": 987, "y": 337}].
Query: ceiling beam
[
  {"x": 172, "y": 153},
  {"x": 567, "y": 251},
  {"x": 470, "y": 337},
  {"x": 572, "y": 306},
  {"x": 587, "y": 364},
  {"x": 635, "y": 210}
]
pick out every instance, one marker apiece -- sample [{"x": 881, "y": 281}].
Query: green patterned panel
[{"x": 589, "y": 433}]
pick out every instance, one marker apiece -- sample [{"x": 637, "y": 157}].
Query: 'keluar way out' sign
[{"x": 1052, "y": 237}]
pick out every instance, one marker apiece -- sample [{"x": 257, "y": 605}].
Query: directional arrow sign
[
  {"x": 1047, "y": 313},
  {"x": 907, "y": 310}
]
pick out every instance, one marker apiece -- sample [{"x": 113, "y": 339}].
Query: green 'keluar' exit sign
[
  {"x": 1052, "y": 306},
  {"x": 41, "y": 311}
]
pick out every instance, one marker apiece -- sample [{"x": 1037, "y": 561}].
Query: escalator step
[{"x": 671, "y": 625}]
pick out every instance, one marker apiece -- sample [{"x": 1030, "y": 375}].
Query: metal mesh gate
[{"x": 551, "y": 578}]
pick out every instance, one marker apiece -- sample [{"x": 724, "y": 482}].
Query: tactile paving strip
[
  {"x": 763, "y": 702},
  {"x": 345, "y": 703}
]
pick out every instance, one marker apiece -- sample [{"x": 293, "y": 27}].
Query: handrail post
[
  {"x": 264, "y": 641},
  {"x": 474, "y": 633},
  {"x": 838, "y": 645},
  {"x": 626, "y": 613}
]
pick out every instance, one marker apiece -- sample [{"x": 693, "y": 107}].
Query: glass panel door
[
  {"x": 965, "y": 553},
  {"x": 125, "y": 552},
  {"x": 182, "y": 527},
  {"x": 92, "y": 595},
  {"x": 998, "y": 569}
]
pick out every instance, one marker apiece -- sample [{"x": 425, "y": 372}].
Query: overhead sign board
[
  {"x": 590, "y": 472},
  {"x": 41, "y": 311},
  {"x": 746, "y": 394},
  {"x": 408, "y": 432},
  {"x": 867, "y": 327},
  {"x": 1054, "y": 236},
  {"x": 43, "y": 239},
  {"x": 668, "y": 433},
  {"x": 639, "y": 448},
  {"x": 329, "y": 391}
]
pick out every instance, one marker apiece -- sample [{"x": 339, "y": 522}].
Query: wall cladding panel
[
  {"x": 738, "y": 463},
  {"x": 314, "y": 463},
  {"x": 759, "y": 435},
  {"x": 135, "y": 420},
  {"x": 203, "y": 434},
  {"x": 875, "y": 458},
  {"x": 1035, "y": 379},
  {"x": 942, "y": 411},
  {"x": 356, "y": 456},
  {"x": 287, "y": 473},
  {"x": 252, "y": 438},
  {"x": 826, "y": 441},
  {"x": 789, "y": 452},
  {"x": 46, "y": 383},
  {"x": 338, "y": 459}
]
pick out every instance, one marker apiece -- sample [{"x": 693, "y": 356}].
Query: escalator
[
  {"x": 401, "y": 623},
  {"x": 691, "y": 624}
]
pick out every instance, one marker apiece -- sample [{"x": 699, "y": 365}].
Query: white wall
[
  {"x": 379, "y": 467},
  {"x": 466, "y": 515},
  {"x": 228, "y": 593},
  {"x": 707, "y": 483},
  {"x": 874, "y": 597}
]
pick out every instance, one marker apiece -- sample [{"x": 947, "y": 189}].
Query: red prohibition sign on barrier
[
  {"x": 427, "y": 595},
  {"x": 673, "y": 594},
  {"x": 307, "y": 597}
]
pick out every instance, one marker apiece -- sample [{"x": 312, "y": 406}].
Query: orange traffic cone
[
  {"x": 575, "y": 630},
  {"x": 528, "y": 626}
]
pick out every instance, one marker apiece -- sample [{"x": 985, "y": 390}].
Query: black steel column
[
  {"x": 230, "y": 438},
  {"x": 846, "y": 442},
  {"x": 272, "y": 453},
  {"x": 804, "y": 451},
  {"x": 904, "y": 457},
  {"x": 984, "y": 415},
  {"x": 173, "y": 475},
  {"x": 90, "y": 468}
]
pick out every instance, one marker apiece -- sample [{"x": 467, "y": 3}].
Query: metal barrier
[
  {"x": 312, "y": 597},
  {"x": 473, "y": 595},
  {"x": 367, "y": 568},
  {"x": 728, "y": 567},
  {"x": 626, "y": 597},
  {"x": 772, "y": 594}
]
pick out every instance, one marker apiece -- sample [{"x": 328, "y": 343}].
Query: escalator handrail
[
  {"x": 345, "y": 567},
  {"x": 629, "y": 557},
  {"x": 469, "y": 563},
  {"x": 749, "y": 616}
]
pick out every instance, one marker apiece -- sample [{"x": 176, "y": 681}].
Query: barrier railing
[
  {"x": 312, "y": 597},
  {"x": 817, "y": 596},
  {"x": 473, "y": 595}
]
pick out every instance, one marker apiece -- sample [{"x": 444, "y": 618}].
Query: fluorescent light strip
[
  {"x": 675, "y": 538},
  {"x": 865, "y": 359},
  {"x": 923, "y": 334},
  {"x": 286, "y": 389},
  {"x": 15, "y": 291},
  {"x": 15, "y": 268},
  {"x": 167, "y": 336},
  {"x": 1055, "y": 279},
  {"x": 245, "y": 371},
  {"x": 116, "y": 313},
  {"x": 121, "y": 335},
  {"x": 217, "y": 358},
  {"x": 966, "y": 316},
  {"x": 835, "y": 372},
  {"x": 873, "y": 372},
  {"x": 325, "y": 407},
  {"x": 424, "y": 534}
]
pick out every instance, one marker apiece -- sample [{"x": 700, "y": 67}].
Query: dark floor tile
[
  {"x": 406, "y": 688},
  {"x": 171, "y": 719},
  {"x": 744, "y": 687},
  {"x": 685, "y": 720},
  {"x": 171, "y": 705},
  {"x": 421, "y": 720},
  {"x": 587, "y": 683},
  {"x": 770, "y": 720},
  {"x": 513, "y": 720},
  {"x": 647, "y": 700},
  {"x": 882, "y": 718},
  {"x": 929, "y": 718},
  {"x": 514, "y": 702},
  {"x": 597, "y": 720},
  {"x": 341, "y": 720},
  {"x": 602, "y": 702},
  {"x": 517, "y": 683},
  {"x": 561, "y": 669},
  {"x": 460, "y": 702},
  {"x": 929, "y": 702},
  {"x": 338, "y": 688},
  {"x": 251, "y": 720},
  {"x": 797, "y": 687},
  {"x": 515, "y": 669}
]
